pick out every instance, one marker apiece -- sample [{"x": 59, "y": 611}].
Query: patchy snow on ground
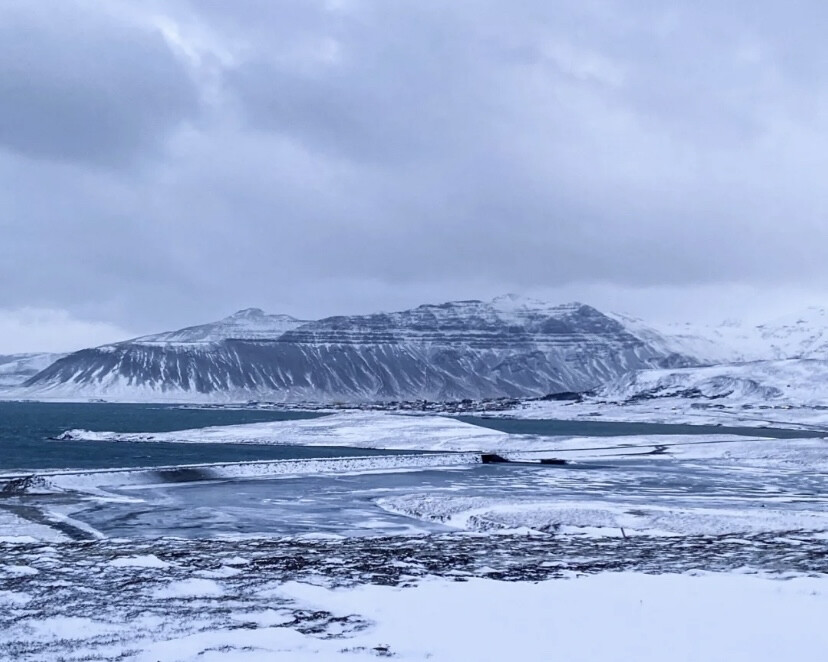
[{"x": 443, "y": 597}]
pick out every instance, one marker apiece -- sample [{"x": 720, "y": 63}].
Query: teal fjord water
[{"x": 26, "y": 428}]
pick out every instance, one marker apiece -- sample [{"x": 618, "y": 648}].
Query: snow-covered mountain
[
  {"x": 17, "y": 368},
  {"x": 248, "y": 324},
  {"x": 802, "y": 335},
  {"x": 506, "y": 347},
  {"x": 800, "y": 382}
]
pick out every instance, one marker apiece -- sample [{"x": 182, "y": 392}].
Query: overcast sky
[{"x": 164, "y": 163}]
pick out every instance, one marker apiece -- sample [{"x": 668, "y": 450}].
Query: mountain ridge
[{"x": 510, "y": 346}]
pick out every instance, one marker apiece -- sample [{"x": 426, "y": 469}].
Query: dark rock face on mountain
[{"x": 466, "y": 349}]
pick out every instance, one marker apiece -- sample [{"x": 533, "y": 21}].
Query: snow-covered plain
[{"x": 629, "y": 617}]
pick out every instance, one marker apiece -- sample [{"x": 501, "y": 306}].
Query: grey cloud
[
  {"x": 80, "y": 83},
  {"x": 374, "y": 88},
  {"x": 359, "y": 155}
]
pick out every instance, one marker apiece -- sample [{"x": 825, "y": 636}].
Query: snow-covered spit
[
  {"x": 91, "y": 481},
  {"x": 354, "y": 429},
  {"x": 411, "y": 432}
]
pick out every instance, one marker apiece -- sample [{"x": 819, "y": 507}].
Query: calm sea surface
[{"x": 25, "y": 428}]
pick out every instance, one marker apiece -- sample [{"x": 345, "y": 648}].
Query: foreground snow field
[
  {"x": 446, "y": 597},
  {"x": 608, "y": 617}
]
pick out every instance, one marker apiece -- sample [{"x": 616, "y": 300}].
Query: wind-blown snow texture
[{"x": 466, "y": 349}]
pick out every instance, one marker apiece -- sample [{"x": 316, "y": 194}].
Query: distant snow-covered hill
[
  {"x": 803, "y": 382},
  {"x": 17, "y": 368},
  {"x": 509, "y": 346},
  {"x": 801, "y": 335}
]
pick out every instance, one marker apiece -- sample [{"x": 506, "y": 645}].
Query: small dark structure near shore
[{"x": 494, "y": 458}]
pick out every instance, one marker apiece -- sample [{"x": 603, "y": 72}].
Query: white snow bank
[
  {"x": 143, "y": 561},
  {"x": 612, "y": 617},
  {"x": 379, "y": 430},
  {"x": 804, "y": 454},
  {"x": 356, "y": 430},
  {"x": 195, "y": 587},
  {"x": 92, "y": 481},
  {"x": 599, "y": 517}
]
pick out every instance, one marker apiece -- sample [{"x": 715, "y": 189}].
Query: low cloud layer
[
  {"x": 44, "y": 330},
  {"x": 166, "y": 163}
]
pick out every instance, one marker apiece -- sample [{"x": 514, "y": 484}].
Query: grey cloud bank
[{"x": 163, "y": 164}]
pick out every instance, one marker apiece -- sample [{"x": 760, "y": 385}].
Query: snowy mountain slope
[
  {"x": 248, "y": 324},
  {"x": 463, "y": 349},
  {"x": 698, "y": 342},
  {"x": 17, "y": 368},
  {"x": 801, "y": 335},
  {"x": 804, "y": 335},
  {"x": 800, "y": 382}
]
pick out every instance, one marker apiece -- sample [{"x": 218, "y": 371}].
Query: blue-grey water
[
  {"x": 26, "y": 428},
  {"x": 346, "y": 503}
]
